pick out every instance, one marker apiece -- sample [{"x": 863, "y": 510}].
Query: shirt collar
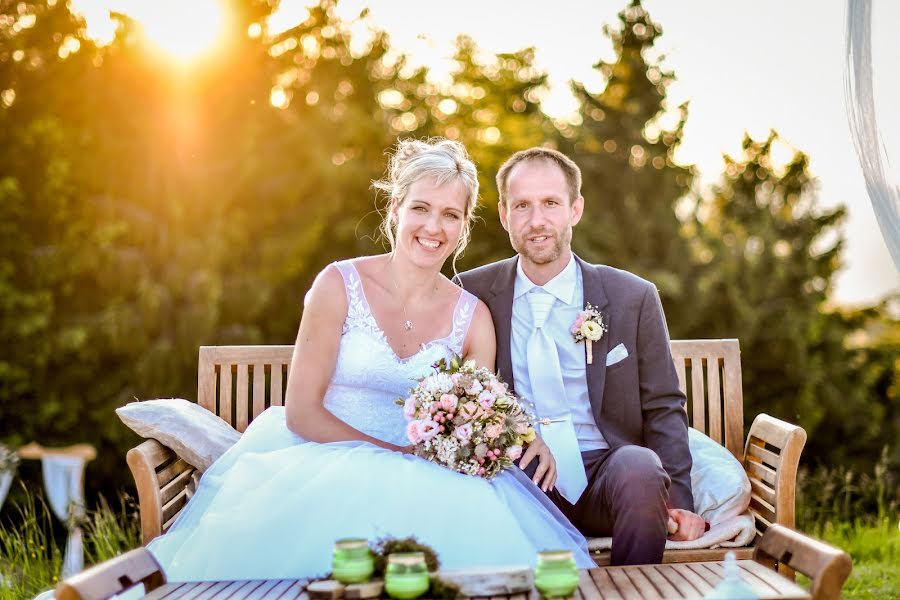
[{"x": 562, "y": 286}]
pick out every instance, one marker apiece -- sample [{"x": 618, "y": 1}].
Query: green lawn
[
  {"x": 30, "y": 557},
  {"x": 875, "y": 550}
]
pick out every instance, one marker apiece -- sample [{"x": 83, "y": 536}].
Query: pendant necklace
[{"x": 407, "y": 323}]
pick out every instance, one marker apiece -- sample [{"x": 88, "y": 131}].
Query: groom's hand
[
  {"x": 545, "y": 474},
  {"x": 686, "y": 525}
]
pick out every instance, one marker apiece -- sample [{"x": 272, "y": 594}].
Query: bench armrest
[
  {"x": 113, "y": 576},
  {"x": 827, "y": 566},
  {"x": 771, "y": 457},
  {"x": 163, "y": 485}
]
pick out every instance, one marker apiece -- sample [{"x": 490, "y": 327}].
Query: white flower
[
  {"x": 591, "y": 330},
  {"x": 438, "y": 384},
  {"x": 475, "y": 388}
]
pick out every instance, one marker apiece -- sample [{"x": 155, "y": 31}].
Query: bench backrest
[{"x": 239, "y": 382}]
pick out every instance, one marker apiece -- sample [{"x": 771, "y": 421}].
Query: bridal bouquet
[{"x": 464, "y": 418}]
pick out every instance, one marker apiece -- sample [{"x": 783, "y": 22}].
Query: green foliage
[
  {"x": 146, "y": 210},
  {"x": 858, "y": 513},
  {"x": 631, "y": 183},
  {"x": 32, "y": 544},
  {"x": 844, "y": 495},
  {"x": 872, "y": 581},
  {"x": 29, "y": 555},
  {"x": 768, "y": 257}
]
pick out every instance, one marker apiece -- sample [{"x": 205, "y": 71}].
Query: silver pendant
[{"x": 407, "y": 325}]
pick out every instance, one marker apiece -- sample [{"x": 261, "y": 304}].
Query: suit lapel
[
  {"x": 501, "y": 308},
  {"x": 596, "y": 371}
]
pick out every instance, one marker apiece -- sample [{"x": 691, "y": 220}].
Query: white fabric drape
[
  {"x": 5, "y": 481},
  {"x": 63, "y": 476},
  {"x": 884, "y": 195}
]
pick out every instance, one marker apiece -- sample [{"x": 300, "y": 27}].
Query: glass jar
[
  {"x": 556, "y": 575},
  {"x": 406, "y": 575},
  {"x": 352, "y": 561}
]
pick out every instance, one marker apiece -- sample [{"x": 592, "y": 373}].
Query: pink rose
[
  {"x": 475, "y": 388},
  {"x": 521, "y": 427},
  {"x": 409, "y": 408},
  {"x": 499, "y": 388},
  {"x": 514, "y": 452},
  {"x": 492, "y": 432},
  {"x": 428, "y": 430},
  {"x": 579, "y": 321},
  {"x": 468, "y": 410},
  {"x": 464, "y": 432},
  {"x": 449, "y": 402},
  {"x": 413, "y": 433},
  {"x": 486, "y": 399}
]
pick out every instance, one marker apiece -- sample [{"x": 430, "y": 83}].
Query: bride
[{"x": 335, "y": 462}]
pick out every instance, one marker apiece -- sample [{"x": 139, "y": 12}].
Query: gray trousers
[{"x": 625, "y": 498}]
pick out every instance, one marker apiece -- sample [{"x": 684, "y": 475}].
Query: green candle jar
[
  {"x": 352, "y": 561},
  {"x": 556, "y": 575},
  {"x": 406, "y": 575}
]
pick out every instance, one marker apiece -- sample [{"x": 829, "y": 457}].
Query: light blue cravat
[{"x": 550, "y": 400}]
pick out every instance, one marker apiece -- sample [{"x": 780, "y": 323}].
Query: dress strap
[
  {"x": 462, "y": 318},
  {"x": 358, "y": 314}
]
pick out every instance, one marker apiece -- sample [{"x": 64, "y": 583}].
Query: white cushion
[
  {"x": 192, "y": 432},
  {"x": 720, "y": 484}
]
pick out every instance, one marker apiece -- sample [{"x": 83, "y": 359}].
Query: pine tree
[
  {"x": 631, "y": 183},
  {"x": 771, "y": 255},
  {"x": 491, "y": 105}
]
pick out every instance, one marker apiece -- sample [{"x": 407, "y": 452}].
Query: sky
[{"x": 744, "y": 66}]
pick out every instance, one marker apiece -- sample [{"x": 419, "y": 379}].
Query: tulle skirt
[{"x": 274, "y": 504}]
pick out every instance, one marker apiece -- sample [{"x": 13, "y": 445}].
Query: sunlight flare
[{"x": 184, "y": 30}]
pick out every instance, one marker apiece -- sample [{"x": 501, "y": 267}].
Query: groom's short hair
[{"x": 568, "y": 167}]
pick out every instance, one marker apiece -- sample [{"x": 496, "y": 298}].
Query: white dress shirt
[{"x": 568, "y": 289}]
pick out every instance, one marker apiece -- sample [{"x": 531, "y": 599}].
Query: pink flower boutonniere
[{"x": 588, "y": 328}]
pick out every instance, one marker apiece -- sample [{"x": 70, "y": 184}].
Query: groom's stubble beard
[{"x": 563, "y": 241}]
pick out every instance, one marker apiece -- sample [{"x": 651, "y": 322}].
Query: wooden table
[{"x": 645, "y": 582}]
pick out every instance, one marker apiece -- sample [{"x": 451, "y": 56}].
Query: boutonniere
[{"x": 588, "y": 328}]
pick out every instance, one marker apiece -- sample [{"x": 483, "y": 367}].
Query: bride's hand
[
  {"x": 411, "y": 449},
  {"x": 545, "y": 474}
]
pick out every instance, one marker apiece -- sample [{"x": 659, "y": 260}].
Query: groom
[{"x": 617, "y": 426}]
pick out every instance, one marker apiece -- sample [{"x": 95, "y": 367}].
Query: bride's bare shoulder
[
  {"x": 327, "y": 288},
  {"x": 370, "y": 267}
]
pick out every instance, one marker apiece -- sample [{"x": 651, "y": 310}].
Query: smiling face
[
  {"x": 430, "y": 220},
  {"x": 538, "y": 212}
]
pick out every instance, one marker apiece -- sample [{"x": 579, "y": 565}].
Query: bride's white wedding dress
[{"x": 273, "y": 505}]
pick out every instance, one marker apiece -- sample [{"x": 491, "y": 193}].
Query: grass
[
  {"x": 875, "y": 550},
  {"x": 859, "y": 513},
  {"x": 31, "y": 553}
]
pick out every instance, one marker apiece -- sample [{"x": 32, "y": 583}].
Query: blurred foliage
[
  {"x": 148, "y": 208},
  {"x": 32, "y": 541}
]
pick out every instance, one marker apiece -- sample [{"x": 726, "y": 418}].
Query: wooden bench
[
  {"x": 113, "y": 576},
  {"x": 239, "y": 382}
]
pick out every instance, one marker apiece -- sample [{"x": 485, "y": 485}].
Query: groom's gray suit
[{"x": 636, "y": 404}]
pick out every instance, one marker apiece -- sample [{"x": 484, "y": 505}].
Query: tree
[
  {"x": 491, "y": 105},
  {"x": 770, "y": 257},
  {"x": 631, "y": 182}
]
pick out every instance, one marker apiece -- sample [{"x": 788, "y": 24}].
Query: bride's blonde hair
[{"x": 442, "y": 159}]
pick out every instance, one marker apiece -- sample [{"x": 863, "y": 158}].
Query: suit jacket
[{"x": 635, "y": 401}]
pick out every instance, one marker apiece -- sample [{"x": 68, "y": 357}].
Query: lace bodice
[{"x": 369, "y": 376}]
